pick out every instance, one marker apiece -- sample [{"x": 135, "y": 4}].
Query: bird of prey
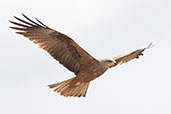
[{"x": 65, "y": 50}]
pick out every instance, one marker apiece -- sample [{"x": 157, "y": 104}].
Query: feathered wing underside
[
  {"x": 58, "y": 45},
  {"x": 130, "y": 56},
  {"x": 66, "y": 90}
]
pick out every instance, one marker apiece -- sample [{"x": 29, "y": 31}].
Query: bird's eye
[{"x": 109, "y": 61}]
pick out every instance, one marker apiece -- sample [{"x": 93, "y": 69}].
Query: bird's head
[{"x": 108, "y": 62}]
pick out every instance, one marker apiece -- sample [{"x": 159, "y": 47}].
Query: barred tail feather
[{"x": 66, "y": 90}]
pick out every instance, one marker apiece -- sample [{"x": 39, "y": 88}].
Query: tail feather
[
  {"x": 85, "y": 90},
  {"x": 78, "y": 90},
  {"x": 57, "y": 84},
  {"x": 66, "y": 90}
]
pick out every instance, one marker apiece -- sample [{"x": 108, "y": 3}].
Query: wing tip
[{"x": 150, "y": 45}]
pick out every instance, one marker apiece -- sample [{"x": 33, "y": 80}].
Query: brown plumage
[{"x": 71, "y": 55}]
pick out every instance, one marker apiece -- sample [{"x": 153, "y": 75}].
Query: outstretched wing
[
  {"x": 58, "y": 45},
  {"x": 129, "y": 56}
]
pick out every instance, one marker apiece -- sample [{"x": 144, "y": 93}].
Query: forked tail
[{"x": 66, "y": 90}]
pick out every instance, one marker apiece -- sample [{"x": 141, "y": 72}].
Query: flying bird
[{"x": 65, "y": 50}]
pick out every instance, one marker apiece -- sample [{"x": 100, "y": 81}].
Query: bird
[{"x": 72, "y": 56}]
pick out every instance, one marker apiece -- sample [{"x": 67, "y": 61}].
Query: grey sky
[{"x": 105, "y": 28}]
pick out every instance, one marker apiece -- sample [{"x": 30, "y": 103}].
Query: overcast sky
[{"x": 104, "y": 28}]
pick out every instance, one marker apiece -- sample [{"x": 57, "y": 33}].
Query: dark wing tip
[
  {"x": 23, "y": 14},
  {"x": 25, "y": 22},
  {"x": 29, "y": 22},
  {"x": 148, "y": 47},
  {"x": 41, "y": 23},
  {"x": 17, "y": 28}
]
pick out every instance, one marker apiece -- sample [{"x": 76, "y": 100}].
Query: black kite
[{"x": 71, "y": 55}]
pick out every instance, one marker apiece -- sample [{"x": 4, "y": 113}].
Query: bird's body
[
  {"x": 62, "y": 48},
  {"x": 92, "y": 71}
]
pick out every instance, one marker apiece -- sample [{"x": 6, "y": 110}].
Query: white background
[{"x": 104, "y": 28}]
